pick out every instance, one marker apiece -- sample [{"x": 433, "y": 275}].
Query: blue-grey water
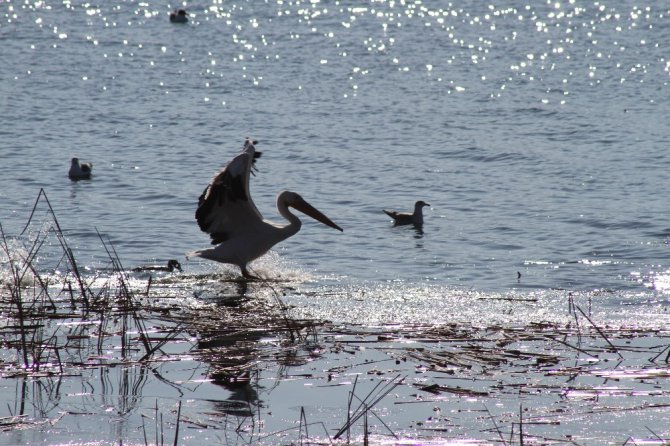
[{"x": 537, "y": 130}]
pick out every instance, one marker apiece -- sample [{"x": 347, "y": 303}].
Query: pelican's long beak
[{"x": 307, "y": 209}]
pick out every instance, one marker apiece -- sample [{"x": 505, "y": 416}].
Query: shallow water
[{"x": 537, "y": 132}]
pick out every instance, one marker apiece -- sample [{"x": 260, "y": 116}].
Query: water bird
[
  {"x": 228, "y": 214},
  {"x": 178, "y": 16},
  {"x": 171, "y": 266},
  {"x": 405, "y": 218},
  {"x": 80, "y": 171}
]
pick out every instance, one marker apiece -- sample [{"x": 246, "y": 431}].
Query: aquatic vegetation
[{"x": 212, "y": 357}]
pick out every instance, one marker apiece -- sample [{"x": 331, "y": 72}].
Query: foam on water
[{"x": 433, "y": 305}]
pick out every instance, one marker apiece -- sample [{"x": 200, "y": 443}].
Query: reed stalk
[{"x": 600, "y": 332}]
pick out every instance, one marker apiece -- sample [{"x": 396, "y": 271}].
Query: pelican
[
  {"x": 172, "y": 265},
  {"x": 405, "y": 218},
  {"x": 227, "y": 213},
  {"x": 80, "y": 171}
]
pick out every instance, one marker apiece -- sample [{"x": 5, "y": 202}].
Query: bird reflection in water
[
  {"x": 232, "y": 355},
  {"x": 250, "y": 340}
]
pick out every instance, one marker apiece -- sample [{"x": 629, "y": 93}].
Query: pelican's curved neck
[{"x": 294, "y": 222}]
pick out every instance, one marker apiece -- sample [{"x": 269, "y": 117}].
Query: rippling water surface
[{"x": 537, "y": 131}]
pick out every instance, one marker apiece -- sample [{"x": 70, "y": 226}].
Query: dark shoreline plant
[{"x": 34, "y": 299}]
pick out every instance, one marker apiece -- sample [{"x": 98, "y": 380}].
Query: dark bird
[
  {"x": 178, "y": 16},
  {"x": 172, "y": 265},
  {"x": 80, "y": 171},
  {"x": 227, "y": 213},
  {"x": 405, "y": 218}
]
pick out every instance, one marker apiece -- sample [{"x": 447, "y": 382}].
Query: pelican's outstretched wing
[{"x": 225, "y": 207}]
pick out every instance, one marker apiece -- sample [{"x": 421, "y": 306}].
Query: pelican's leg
[{"x": 247, "y": 274}]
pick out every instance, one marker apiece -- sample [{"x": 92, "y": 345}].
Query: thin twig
[
  {"x": 659, "y": 354},
  {"x": 495, "y": 425},
  {"x": 567, "y": 344},
  {"x": 176, "y": 433},
  {"x": 521, "y": 424},
  {"x": 364, "y": 407},
  {"x": 599, "y": 331},
  {"x": 303, "y": 419}
]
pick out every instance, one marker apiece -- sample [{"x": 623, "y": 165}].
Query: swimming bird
[
  {"x": 228, "y": 214},
  {"x": 80, "y": 171},
  {"x": 172, "y": 265},
  {"x": 178, "y": 16},
  {"x": 405, "y": 218}
]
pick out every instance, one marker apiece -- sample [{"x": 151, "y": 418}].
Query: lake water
[{"x": 537, "y": 131}]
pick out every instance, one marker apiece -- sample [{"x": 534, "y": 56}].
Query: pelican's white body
[{"x": 256, "y": 240}]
